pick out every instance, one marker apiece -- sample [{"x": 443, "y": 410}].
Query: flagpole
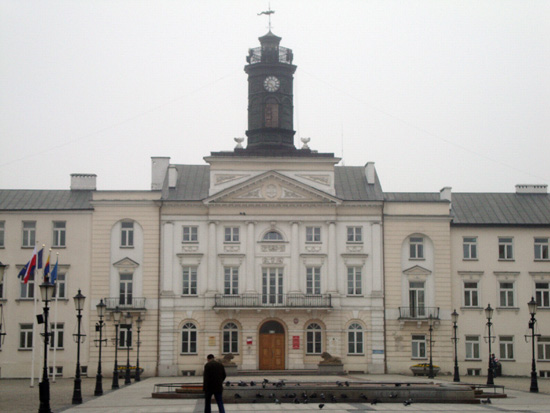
[
  {"x": 55, "y": 326},
  {"x": 35, "y": 321}
]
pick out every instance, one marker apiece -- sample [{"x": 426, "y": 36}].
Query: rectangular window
[
  {"x": 190, "y": 234},
  {"x": 506, "y": 346},
  {"x": 60, "y": 286},
  {"x": 469, "y": 246},
  {"x": 272, "y": 286},
  {"x": 472, "y": 347},
  {"x": 127, "y": 234},
  {"x": 2, "y": 234},
  {"x": 505, "y": 248},
  {"x": 125, "y": 336},
  {"x": 27, "y": 290},
  {"x": 416, "y": 248},
  {"x": 25, "y": 336},
  {"x": 543, "y": 348},
  {"x": 231, "y": 234},
  {"x": 542, "y": 295},
  {"x": 541, "y": 249},
  {"x": 313, "y": 234},
  {"x": 471, "y": 294},
  {"x": 29, "y": 234},
  {"x": 313, "y": 280},
  {"x": 59, "y": 234},
  {"x": 355, "y": 234},
  {"x": 417, "y": 299},
  {"x": 126, "y": 289},
  {"x": 506, "y": 294},
  {"x": 189, "y": 281},
  {"x": 57, "y": 335},
  {"x": 231, "y": 281},
  {"x": 418, "y": 346},
  {"x": 354, "y": 281}
]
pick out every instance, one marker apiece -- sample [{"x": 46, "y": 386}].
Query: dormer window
[{"x": 273, "y": 236}]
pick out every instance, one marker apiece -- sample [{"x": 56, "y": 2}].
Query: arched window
[
  {"x": 355, "y": 339},
  {"x": 189, "y": 339},
  {"x": 313, "y": 339},
  {"x": 230, "y": 338},
  {"x": 273, "y": 236}
]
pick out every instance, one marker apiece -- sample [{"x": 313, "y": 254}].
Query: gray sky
[{"x": 436, "y": 93}]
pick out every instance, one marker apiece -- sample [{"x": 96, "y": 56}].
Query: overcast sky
[{"x": 436, "y": 93}]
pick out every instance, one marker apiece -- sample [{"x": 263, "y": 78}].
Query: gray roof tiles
[{"x": 44, "y": 200}]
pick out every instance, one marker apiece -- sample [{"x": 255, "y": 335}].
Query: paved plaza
[{"x": 16, "y": 396}]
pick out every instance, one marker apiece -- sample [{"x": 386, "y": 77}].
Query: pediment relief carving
[
  {"x": 319, "y": 179},
  {"x": 126, "y": 265},
  {"x": 220, "y": 179},
  {"x": 417, "y": 271}
]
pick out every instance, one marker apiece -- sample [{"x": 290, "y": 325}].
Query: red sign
[
  {"x": 296, "y": 342},
  {"x": 249, "y": 341}
]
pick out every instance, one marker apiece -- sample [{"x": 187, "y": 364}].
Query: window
[
  {"x": 313, "y": 234},
  {"x": 543, "y": 348},
  {"x": 59, "y": 234},
  {"x": 505, "y": 248},
  {"x": 418, "y": 346},
  {"x": 272, "y": 286},
  {"x": 57, "y": 335},
  {"x": 354, "y": 281},
  {"x": 230, "y": 338},
  {"x": 231, "y": 281},
  {"x": 471, "y": 294},
  {"x": 27, "y": 290},
  {"x": 271, "y": 115},
  {"x": 29, "y": 234},
  {"x": 313, "y": 339},
  {"x": 355, "y": 339},
  {"x": 273, "y": 236},
  {"x": 231, "y": 234},
  {"x": 506, "y": 294},
  {"x": 1, "y": 294},
  {"x": 125, "y": 336},
  {"x": 541, "y": 249},
  {"x": 313, "y": 280},
  {"x": 355, "y": 234},
  {"x": 60, "y": 286},
  {"x": 416, "y": 248},
  {"x": 25, "y": 336},
  {"x": 127, "y": 234},
  {"x": 2, "y": 233},
  {"x": 542, "y": 295},
  {"x": 189, "y": 281},
  {"x": 472, "y": 347},
  {"x": 506, "y": 347},
  {"x": 189, "y": 339},
  {"x": 469, "y": 246},
  {"x": 126, "y": 288},
  {"x": 416, "y": 299},
  {"x": 190, "y": 234}
]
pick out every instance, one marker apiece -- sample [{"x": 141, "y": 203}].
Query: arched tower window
[{"x": 271, "y": 113}]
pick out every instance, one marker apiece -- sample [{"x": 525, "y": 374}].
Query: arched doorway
[{"x": 272, "y": 346}]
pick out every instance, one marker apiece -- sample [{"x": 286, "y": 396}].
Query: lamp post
[
  {"x": 2, "y": 272},
  {"x": 99, "y": 327},
  {"x": 533, "y": 310},
  {"x": 139, "y": 321},
  {"x": 489, "y": 315},
  {"x": 116, "y": 321},
  {"x": 454, "y": 318},
  {"x": 431, "y": 369},
  {"x": 79, "y": 305},
  {"x": 46, "y": 291},
  {"x": 128, "y": 344}
]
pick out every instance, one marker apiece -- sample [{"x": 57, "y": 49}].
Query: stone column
[
  {"x": 294, "y": 259},
  {"x": 332, "y": 273},
  {"x": 212, "y": 258},
  {"x": 250, "y": 255},
  {"x": 167, "y": 274},
  {"x": 376, "y": 255}
]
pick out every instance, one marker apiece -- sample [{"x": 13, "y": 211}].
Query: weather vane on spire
[{"x": 269, "y": 12}]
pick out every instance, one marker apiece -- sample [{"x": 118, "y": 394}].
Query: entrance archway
[{"x": 272, "y": 346}]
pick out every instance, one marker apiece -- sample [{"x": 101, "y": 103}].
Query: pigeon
[
  {"x": 304, "y": 395},
  {"x": 252, "y": 384},
  {"x": 259, "y": 395},
  {"x": 344, "y": 396},
  {"x": 374, "y": 402},
  {"x": 332, "y": 398},
  {"x": 364, "y": 397},
  {"x": 277, "y": 401},
  {"x": 322, "y": 396},
  {"x": 407, "y": 402},
  {"x": 397, "y": 384},
  {"x": 393, "y": 395},
  {"x": 321, "y": 406},
  {"x": 339, "y": 383},
  {"x": 346, "y": 383},
  {"x": 296, "y": 401},
  {"x": 313, "y": 395},
  {"x": 227, "y": 383},
  {"x": 272, "y": 395},
  {"x": 237, "y": 396},
  {"x": 292, "y": 395},
  {"x": 488, "y": 401},
  {"x": 242, "y": 384}
]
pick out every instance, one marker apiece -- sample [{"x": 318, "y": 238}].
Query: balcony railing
[
  {"x": 418, "y": 313},
  {"x": 253, "y": 300},
  {"x": 283, "y": 55},
  {"x": 137, "y": 303}
]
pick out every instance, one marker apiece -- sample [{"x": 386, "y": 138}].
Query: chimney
[
  {"x": 172, "y": 176},
  {"x": 159, "y": 166},
  {"x": 83, "y": 182},
  {"x": 445, "y": 194},
  {"x": 369, "y": 172},
  {"x": 531, "y": 189}
]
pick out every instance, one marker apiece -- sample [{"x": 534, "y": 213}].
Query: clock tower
[{"x": 270, "y": 108}]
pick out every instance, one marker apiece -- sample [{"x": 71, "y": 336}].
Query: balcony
[
  {"x": 418, "y": 313},
  {"x": 125, "y": 303},
  {"x": 253, "y": 300}
]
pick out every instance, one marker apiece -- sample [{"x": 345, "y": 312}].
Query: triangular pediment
[
  {"x": 126, "y": 263},
  {"x": 272, "y": 187},
  {"x": 417, "y": 270}
]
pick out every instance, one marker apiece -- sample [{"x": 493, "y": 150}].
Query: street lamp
[
  {"x": 46, "y": 291},
  {"x": 139, "y": 321},
  {"x": 454, "y": 318},
  {"x": 489, "y": 315},
  {"x": 2, "y": 272},
  {"x": 79, "y": 305},
  {"x": 128, "y": 344},
  {"x": 431, "y": 369},
  {"x": 116, "y": 321},
  {"x": 533, "y": 310},
  {"x": 99, "y": 327}
]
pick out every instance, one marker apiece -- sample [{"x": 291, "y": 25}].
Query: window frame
[
  {"x": 25, "y": 336},
  {"x": 469, "y": 248},
  {"x": 472, "y": 346},
  {"x": 189, "y": 329},
  {"x": 26, "y": 288},
  {"x": 59, "y": 332},
  {"x": 124, "y": 335},
  {"x": 471, "y": 294},
  {"x": 126, "y": 280},
  {"x": 507, "y": 293},
  {"x": 313, "y": 234},
  {"x": 543, "y": 346},
  {"x": 314, "y": 339},
  {"x": 127, "y": 234},
  {"x": 230, "y": 338},
  {"x": 231, "y": 235},
  {"x": 59, "y": 234},
  {"x": 418, "y": 346},
  {"x": 506, "y": 343},
  {"x": 542, "y": 294},
  {"x": 354, "y": 234},
  {"x": 356, "y": 340},
  {"x": 313, "y": 280},
  {"x": 29, "y": 234},
  {"x": 2, "y": 234},
  {"x": 267, "y": 236},
  {"x": 543, "y": 248},
  {"x": 355, "y": 280},
  {"x": 60, "y": 283},
  {"x": 190, "y": 234},
  {"x": 189, "y": 285},
  {"x": 230, "y": 280},
  {"x": 416, "y": 248},
  {"x": 506, "y": 248}
]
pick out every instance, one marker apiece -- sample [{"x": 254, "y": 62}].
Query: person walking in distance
[{"x": 212, "y": 383}]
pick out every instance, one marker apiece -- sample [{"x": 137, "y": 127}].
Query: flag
[
  {"x": 23, "y": 271},
  {"x": 47, "y": 266},
  {"x": 39, "y": 258},
  {"x": 53, "y": 276},
  {"x": 31, "y": 265}
]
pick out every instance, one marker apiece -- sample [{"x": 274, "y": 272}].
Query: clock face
[{"x": 271, "y": 84}]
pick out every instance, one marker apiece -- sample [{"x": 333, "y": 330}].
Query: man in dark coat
[{"x": 212, "y": 383}]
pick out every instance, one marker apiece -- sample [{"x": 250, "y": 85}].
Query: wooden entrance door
[{"x": 272, "y": 351}]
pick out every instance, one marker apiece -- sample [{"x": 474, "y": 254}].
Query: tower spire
[{"x": 269, "y": 12}]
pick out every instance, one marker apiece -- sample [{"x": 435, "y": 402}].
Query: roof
[
  {"x": 192, "y": 184},
  {"x": 351, "y": 184},
  {"x": 413, "y": 197},
  {"x": 44, "y": 200}
]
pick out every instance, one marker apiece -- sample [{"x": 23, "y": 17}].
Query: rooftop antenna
[{"x": 269, "y": 12}]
